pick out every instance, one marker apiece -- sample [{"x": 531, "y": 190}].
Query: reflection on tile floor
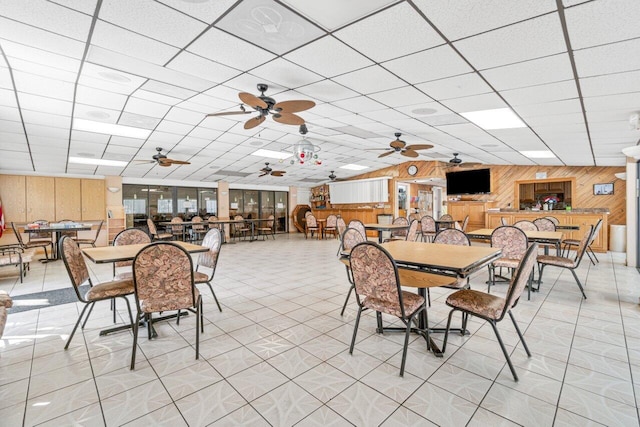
[{"x": 278, "y": 354}]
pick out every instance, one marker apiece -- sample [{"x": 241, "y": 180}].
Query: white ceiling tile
[
  {"x": 391, "y": 33},
  {"x": 174, "y": 127},
  {"x": 229, "y": 50},
  {"x": 184, "y": 116},
  {"x": 370, "y": 80},
  {"x": 431, "y": 64},
  {"x": 155, "y": 97},
  {"x": 385, "y": 115},
  {"x": 544, "y": 120},
  {"x": 524, "y": 41},
  {"x": 43, "y": 86},
  {"x": 97, "y": 97},
  {"x": 206, "y": 11},
  {"x": 611, "y": 58},
  {"x": 43, "y": 70},
  {"x": 46, "y": 119},
  {"x": 168, "y": 89},
  {"x": 428, "y": 109},
  {"x": 320, "y": 55},
  {"x": 10, "y": 126},
  {"x": 189, "y": 63},
  {"x": 153, "y": 20},
  {"x": 530, "y": 73},
  {"x": 286, "y": 74},
  {"x": 360, "y": 104},
  {"x": 609, "y": 84},
  {"x": 39, "y": 56},
  {"x": 407, "y": 95},
  {"x": 10, "y": 113},
  {"x": 106, "y": 79},
  {"x": 327, "y": 90},
  {"x": 549, "y": 108},
  {"x": 333, "y": 14},
  {"x": 630, "y": 101},
  {"x": 269, "y": 25},
  {"x": 146, "y": 108},
  {"x": 590, "y": 24},
  {"x": 28, "y": 36},
  {"x": 485, "y": 101},
  {"x": 464, "y": 18},
  {"x": 455, "y": 87},
  {"x": 541, "y": 93},
  {"x": 129, "y": 43},
  {"x": 49, "y": 16},
  {"x": 138, "y": 120}
]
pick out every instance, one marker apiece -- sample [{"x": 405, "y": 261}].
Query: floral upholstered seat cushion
[
  {"x": 111, "y": 289},
  {"x": 200, "y": 277},
  {"x": 557, "y": 261},
  {"x": 507, "y": 262},
  {"x": 167, "y": 301},
  {"x": 5, "y": 300},
  {"x": 481, "y": 303},
  {"x": 411, "y": 303}
]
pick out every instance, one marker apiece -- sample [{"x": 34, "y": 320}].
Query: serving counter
[{"x": 580, "y": 217}]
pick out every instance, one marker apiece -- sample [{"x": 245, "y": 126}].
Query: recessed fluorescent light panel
[
  {"x": 110, "y": 129},
  {"x": 500, "y": 118},
  {"x": 98, "y": 162},
  {"x": 354, "y": 167},
  {"x": 541, "y": 154},
  {"x": 271, "y": 154}
]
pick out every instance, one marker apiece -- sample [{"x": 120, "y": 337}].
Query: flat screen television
[{"x": 474, "y": 181}]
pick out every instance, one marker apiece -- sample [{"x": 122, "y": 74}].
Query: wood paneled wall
[{"x": 503, "y": 178}]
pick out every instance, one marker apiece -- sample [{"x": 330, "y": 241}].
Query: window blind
[{"x": 374, "y": 190}]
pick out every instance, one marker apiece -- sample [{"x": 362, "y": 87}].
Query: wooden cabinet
[
  {"x": 115, "y": 221},
  {"x": 40, "y": 195},
  {"x": 320, "y": 197},
  {"x": 475, "y": 209},
  {"x": 93, "y": 199},
  {"x": 600, "y": 243},
  {"x": 13, "y": 196},
  {"x": 68, "y": 199}
]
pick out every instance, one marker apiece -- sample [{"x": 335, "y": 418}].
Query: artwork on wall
[{"x": 603, "y": 189}]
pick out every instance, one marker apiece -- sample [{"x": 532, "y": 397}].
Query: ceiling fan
[
  {"x": 163, "y": 160},
  {"x": 269, "y": 171},
  {"x": 457, "y": 162},
  {"x": 399, "y": 146},
  {"x": 282, "y": 112}
]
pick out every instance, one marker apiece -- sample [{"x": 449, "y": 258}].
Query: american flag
[{"x": 1, "y": 219}]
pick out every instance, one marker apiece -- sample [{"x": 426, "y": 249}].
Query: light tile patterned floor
[{"x": 278, "y": 354}]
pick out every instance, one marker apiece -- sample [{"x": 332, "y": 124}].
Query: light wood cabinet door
[
  {"x": 67, "y": 199},
  {"x": 93, "y": 199},
  {"x": 13, "y": 196},
  {"x": 41, "y": 200},
  {"x": 584, "y": 221},
  {"x": 457, "y": 210}
]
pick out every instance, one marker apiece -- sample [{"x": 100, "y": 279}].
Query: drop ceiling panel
[
  {"x": 455, "y": 87},
  {"x": 530, "y": 73},
  {"x": 541, "y": 93},
  {"x": 146, "y": 108},
  {"x": 207, "y": 11},
  {"x": 464, "y": 18},
  {"x": 611, "y": 58},
  {"x": 50, "y": 17},
  {"x": 332, "y": 14},
  {"x": 286, "y": 73},
  {"x": 407, "y": 95},
  {"x": 39, "y": 85},
  {"x": 189, "y": 63},
  {"x": 549, "y": 108},
  {"x": 612, "y": 102},
  {"x": 30, "y": 37},
  {"x": 91, "y": 96},
  {"x": 516, "y": 43},
  {"x": 590, "y": 24},
  {"x": 370, "y": 80},
  {"x": 391, "y": 33},
  {"x": 486, "y": 101},
  {"x": 327, "y": 90}
]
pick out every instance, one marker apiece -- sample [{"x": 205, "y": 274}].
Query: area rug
[{"x": 45, "y": 299}]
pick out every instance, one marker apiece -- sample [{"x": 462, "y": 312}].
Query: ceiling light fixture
[
  {"x": 110, "y": 129},
  {"x": 271, "y": 154},
  {"x": 97, "y": 162},
  {"x": 500, "y": 118},
  {"x": 354, "y": 167},
  {"x": 538, "y": 154}
]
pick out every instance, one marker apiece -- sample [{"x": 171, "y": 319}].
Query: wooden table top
[
  {"x": 386, "y": 227},
  {"x": 460, "y": 260},
  {"x": 547, "y": 236},
  {"x": 107, "y": 254}
]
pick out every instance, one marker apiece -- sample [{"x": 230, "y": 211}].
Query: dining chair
[
  {"x": 350, "y": 238},
  {"x": 573, "y": 243},
  {"x": 340, "y": 226},
  {"x": 129, "y": 236},
  {"x": 414, "y": 231},
  {"x": 513, "y": 243},
  {"x": 358, "y": 225},
  {"x": 446, "y": 217},
  {"x": 91, "y": 242},
  {"x": 43, "y": 236},
  {"x": 525, "y": 225},
  {"x": 465, "y": 223},
  {"x": 553, "y": 219},
  {"x": 177, "y": 230},
  {"x": 492, "y": 308},
  {"x": 79, "y": 275},
  {"x": 163, "y": 281},
  {"x": 311, "y": 225},
  {"x": 453, "y": 236},
  {"x": 427, "y": 228},
  {"x": 266, "y": 229},
  {"x": 5, "y": 303},
  {"x": 504, "y": 221},
  {"x": 377, "y": 286},
  {"x": 39, "y": 243},
  {"x": 198, "y": 230},
  {"x": 70, "y": 233},
  {"x": 331, "y": 226},
  {"x": 240, "y": 228},
  {"x": 209, "y": 260},
  {"x": 399, "y": 234},
  {"x": 570, "y": 264},
  {"x": 154, "y": 231},
  {"x": 545, "y": 224}
]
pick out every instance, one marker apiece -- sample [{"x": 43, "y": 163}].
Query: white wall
[{"x": 632, "y": 217}]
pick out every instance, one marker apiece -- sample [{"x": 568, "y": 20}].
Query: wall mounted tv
[{"x": 474, "y": 181}]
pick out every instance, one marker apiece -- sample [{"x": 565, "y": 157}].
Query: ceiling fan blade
[
  {"x": 251, "y": 123},
  {"x": 469, "y": 165},
  {"x": 252, "y": 100},
  {"x": 262, "y": 174},
  {"x": 386, "y": 154},
  {"x": 175, "y": 162},
  {"x": 141, "y": 162},
  {"x": 278, "y": 173},
  {"x": 397, "y": 144},
  {"x": 229, "y": 113},
  {"x": 409, "y": 153},
  {"x": 288, "y": 119},
  {"x": 293, "y": 106},
  {"x": 164, "y": 164},
  {"x": 419, "y": 147}
]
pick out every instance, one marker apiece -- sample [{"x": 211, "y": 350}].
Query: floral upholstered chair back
[
  {"x": 520, "y": 278},
  {"x": 163, "y": 278},
  {"x": 152, "y": 227},
  {"x": 350, "y": 238},
  {"x": 446, "y": 217},
  {"x": 375, "y": 275},
  {"x": 213, "y": 241},
  {"x": 400, "y": 221},
  {"x": 428, "y": 224},
  {"x": 176, "y": 230},
  {"x": 511, "y": 240},
  {"x": 74, "y": 262},
  {"x": 452, "y": 236},
  {"x": 197, "y": 226},
  {"x": 358, "y": 225},
  {"x": 525, "y": 225},
  {"x": 130, "y": 236},
  {"x": 311, "y": 221},
  {"x": 341, "y": 226},
  {"x": 412, "y": 234},
  {"x": 544, "y": 224},
  {"x": 553, "y": 219},
  {"x": 332, "y": 221}
]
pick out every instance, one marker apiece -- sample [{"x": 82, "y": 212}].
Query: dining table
[
  {"x": 380, "y": 228},
  {"x": 57, "y": 230},
  {"x": 444, "y": 223},
  {"x": 545, "y": 237},
  {"x": 427, "y": 265}
]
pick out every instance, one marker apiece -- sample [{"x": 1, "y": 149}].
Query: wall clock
[{"x": 412, "y": 170}]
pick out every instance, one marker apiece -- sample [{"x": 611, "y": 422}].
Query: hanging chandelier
[{"x": 304, "y": 151}]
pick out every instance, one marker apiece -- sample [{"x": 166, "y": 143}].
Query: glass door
[{"x": 281, "y": 209}]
